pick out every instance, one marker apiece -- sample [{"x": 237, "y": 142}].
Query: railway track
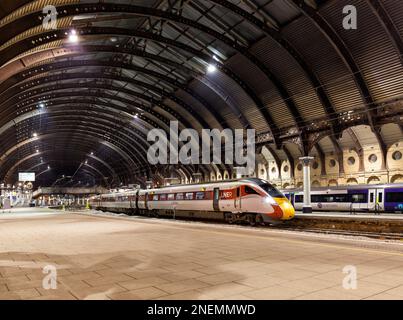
[
  {"x": 321, "y": 230},
  {"x": 372, "y": 235}
]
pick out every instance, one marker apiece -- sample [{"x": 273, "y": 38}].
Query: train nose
[{"x": 286, "y": 207}]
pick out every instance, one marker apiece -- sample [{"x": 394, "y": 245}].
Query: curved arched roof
[{"x": 286, "y": 68}]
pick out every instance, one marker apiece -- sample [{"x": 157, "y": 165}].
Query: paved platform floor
[{"x": 136, "y": 258}]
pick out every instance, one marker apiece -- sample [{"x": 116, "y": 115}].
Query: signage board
[{"x": 26, "y": 176}]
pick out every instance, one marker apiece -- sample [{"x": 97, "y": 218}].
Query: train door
[
  {"x": 137, "y": 200},
  {"x": 371, "y": 199},
  {"x": 380, "y": 199},
  {"x": 146, "y": 201},
  {"x": 216, "y": 199},
  {"x": 291, "y": 197},
  {"x": 237, "y": 200}
]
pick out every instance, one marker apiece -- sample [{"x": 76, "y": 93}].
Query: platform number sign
[{"x": 26, "y": 176}]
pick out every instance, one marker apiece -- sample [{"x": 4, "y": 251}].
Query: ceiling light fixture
[
  {"x": 73, "y": 37},
  {"x": 211, "y": 68}
]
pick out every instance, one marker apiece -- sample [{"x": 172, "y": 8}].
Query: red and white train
[{"x": 250, "y": 200}]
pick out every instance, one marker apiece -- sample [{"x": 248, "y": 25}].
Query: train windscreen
[{"x": 269, "y": 188}]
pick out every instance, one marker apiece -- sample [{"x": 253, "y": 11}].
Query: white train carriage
[
  {"x": 122, "y": 202},
  {"x": 252, "y": 200},
  {"x": 387, "y": 197}
]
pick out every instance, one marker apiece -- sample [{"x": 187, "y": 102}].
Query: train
[
  {"x": 365, "y": 198},
  {"x": 252, "y": 201}
]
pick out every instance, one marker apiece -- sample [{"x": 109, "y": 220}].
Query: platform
[
  {"x": 347, "y": 215},
  {"x": 109, "y": 257}
]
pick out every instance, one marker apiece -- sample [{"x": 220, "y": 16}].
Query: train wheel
[
  {"x": 229, "y": 217},
  {"x": 259, "y": 220},
  {"x": 251, "y": 219}
]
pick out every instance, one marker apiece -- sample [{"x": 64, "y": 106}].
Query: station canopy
[{"x": 81, "y": 98}]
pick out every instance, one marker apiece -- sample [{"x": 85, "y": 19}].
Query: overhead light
[
  {"x": 48, "y": 167},
  {"x": 41, "y": 105},
  {"x": 37, "y": 151},
  {"x": 92, "y": 153},
  {"x": 73, "y": 37},
  {"x": 136, "y": 116},
  {"x": 211, "y": 68},
  {"x": 34, "y": 134}
]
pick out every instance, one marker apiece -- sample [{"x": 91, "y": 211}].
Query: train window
[
  {"x": 271, "y": 190},
  {"x": 380, "y": 197},
  {"x": 340, "y": 198},
  {"x": 199, "y": 195},
  {"x": 155, "y": 197},
  {"x": 171, "y": 196},
  {"x": 249, "y": 190},
  {"x": 394, "y": 196},
  {"x": 163, "y": 197},
  {"x": 321, "y": 198},
  {"x": 316, "y": 198},
  {"x": 299, "y": 198},
  {"x": 179, "y": 196},
  {"x": 359, "y": 198},
  {"x": 371, "y": 197},
  {"x": 189, "y": 196}
]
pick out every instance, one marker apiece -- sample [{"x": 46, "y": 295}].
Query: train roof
[
  {"x": 250, "y": 180},
  {"x": 255, "y": 181}
]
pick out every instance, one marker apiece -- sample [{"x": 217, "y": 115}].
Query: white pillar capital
[{"x": 306, "y": 161}]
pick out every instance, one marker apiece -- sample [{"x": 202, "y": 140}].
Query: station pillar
[{"x": 306, "y": 162}]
